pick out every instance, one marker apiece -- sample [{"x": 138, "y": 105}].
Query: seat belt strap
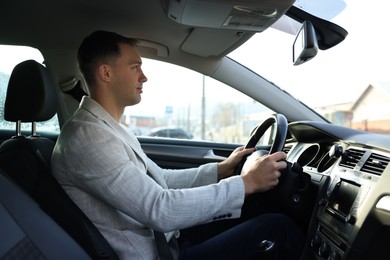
[{"x": 163, "y": 247}]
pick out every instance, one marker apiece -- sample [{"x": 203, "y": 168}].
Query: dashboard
[{"x": 351, "y": 217}]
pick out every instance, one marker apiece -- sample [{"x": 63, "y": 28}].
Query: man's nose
[{"x": 143, "y": 77}]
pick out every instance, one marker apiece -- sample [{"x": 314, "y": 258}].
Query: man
[{"x": 127, "y": 196}]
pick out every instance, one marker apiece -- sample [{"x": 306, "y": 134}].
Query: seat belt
[
  {"x": 73, "y": 88},
  {"x": 76, "y": 92},
  {"x": 163, "y": 248}
]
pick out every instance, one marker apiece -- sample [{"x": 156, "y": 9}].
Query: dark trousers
[{"x": 242, "y": 241}]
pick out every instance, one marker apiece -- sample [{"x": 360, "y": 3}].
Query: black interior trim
[
  {"x": 328, "y": 33},
  {"x": 26, "y": 229}
]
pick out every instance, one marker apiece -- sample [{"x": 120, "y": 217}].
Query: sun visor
[
  {"x": 249, "y": 15},
  {"x": 217, "y": 41}
]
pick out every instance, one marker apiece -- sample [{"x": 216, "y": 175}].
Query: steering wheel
[
  {"x": 292, "y": 192},
  {"x": 258, "y": 132}
]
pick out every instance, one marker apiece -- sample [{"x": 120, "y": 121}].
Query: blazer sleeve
[
  {"x": 104, "y": 166},
  {"x": 186, "y": 178}
]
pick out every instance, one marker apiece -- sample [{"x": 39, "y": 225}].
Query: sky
[{"x": 341, "y": 73}]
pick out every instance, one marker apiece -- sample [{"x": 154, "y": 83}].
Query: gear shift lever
[{"x": 266, "y": 249}]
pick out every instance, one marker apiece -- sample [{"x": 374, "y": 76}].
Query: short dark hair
[{"x": 98, "y": 48}]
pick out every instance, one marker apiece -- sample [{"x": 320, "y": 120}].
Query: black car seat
[
  {"x": 31, "y": 97},
  {"x": 27, "y": 232}
]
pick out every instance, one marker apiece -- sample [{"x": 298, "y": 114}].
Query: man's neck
[{"x": 110, "y": 106}]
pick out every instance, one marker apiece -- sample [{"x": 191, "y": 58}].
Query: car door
[{"x": 179, "y": 154}]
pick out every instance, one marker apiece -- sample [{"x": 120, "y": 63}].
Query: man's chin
[{"x": 135, "y": 102}]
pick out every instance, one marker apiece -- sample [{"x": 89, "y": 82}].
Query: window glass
[
  {"x": 10, "y": 57},
  {"x": 348, "y": 84},
  {"x": 180, "y": 103}
]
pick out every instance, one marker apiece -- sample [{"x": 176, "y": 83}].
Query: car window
[
  {"x": 10, "y": 57},
  {"x": 348, "y": 84},
  {"x": 181, "y": 103}
]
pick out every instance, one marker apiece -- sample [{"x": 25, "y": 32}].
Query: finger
[
  {"x": 238, "y": 149},
  {"x": 247, "y": 151},
  {"x": 276, "y": 182},
  {"x": 281, "y": 165},
  {"x": 250, "y": 150},
  {"x": 273, "y": 183},
  {"x": 278, "y": 156}
]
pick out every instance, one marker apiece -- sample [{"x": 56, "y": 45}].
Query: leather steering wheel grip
[{"x": 258, "y": 132}]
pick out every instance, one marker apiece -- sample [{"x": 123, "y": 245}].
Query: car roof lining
[{"x": 55, "y": 30}]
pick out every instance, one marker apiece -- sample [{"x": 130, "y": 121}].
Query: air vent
[
  {"x": 287, "y": 149},
  {"x": 351, "y": 157},
  {"x": 375, "y": 164}
]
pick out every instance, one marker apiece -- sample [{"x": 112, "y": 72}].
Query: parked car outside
[{"x": 171, "y": 132}]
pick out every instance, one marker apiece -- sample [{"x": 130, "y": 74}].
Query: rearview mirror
[{"x": 305, "y": 46}]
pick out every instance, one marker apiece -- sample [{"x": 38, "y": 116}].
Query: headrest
[{"x": 31, "y": 95}]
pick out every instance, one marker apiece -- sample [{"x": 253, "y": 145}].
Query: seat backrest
[
  {"x": 27, "y": 232},
  {"x": 31, "y": 97}
]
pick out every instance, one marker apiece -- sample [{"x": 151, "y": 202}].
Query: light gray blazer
[{"x": 102, "y": 167}]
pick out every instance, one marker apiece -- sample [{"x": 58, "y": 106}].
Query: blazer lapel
[
  {"x": 128, "y": 137},
  {"x": 132, "y": 141},
  {"x": 99, "y": 112}
]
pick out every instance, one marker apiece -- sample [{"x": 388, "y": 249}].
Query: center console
[{"x": 337, "y": 213}]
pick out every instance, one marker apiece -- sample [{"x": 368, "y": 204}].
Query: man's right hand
[{"x": 263, "y": 173}]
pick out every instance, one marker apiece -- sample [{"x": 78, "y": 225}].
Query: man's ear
[{"x": 104, "y": 72}]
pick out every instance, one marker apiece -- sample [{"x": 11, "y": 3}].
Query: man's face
[{"x": 128, "y": 76}]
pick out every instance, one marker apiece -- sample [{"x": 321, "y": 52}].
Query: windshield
[{"x": 336, "y": 82}]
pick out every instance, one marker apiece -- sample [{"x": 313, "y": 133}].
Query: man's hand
[
  {"x": 263, "y": 173},
  {"x": 226, "y": 167}
]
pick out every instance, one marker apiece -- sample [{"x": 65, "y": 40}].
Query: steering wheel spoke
[
  {"x": 278, "y": 143},
  {"x": 293, "y": 190}
]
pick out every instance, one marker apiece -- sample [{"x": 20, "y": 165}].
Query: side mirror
[{"x": 305, "y": 46}]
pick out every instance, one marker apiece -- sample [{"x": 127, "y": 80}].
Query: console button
[
  {"x": 351, "y": 219},
  {"x": 316, "y": 242},
  {"x": 334, "y": 256},
  {"x": 324, "y": 250},
  {"x": 323, "y": 202}
]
